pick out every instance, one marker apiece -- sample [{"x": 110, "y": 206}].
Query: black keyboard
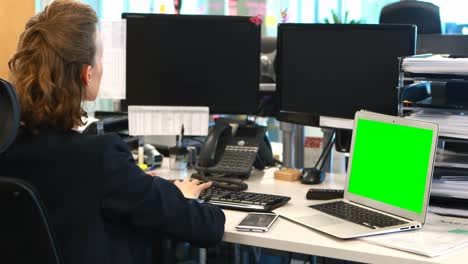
[
  {"x": 324, "y": 194},
  {"x": 357, "y": 214},
  {"x": 242, "y": 201}
]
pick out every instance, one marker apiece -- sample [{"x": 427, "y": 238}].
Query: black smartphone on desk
[{"x": 257, "y": 222}]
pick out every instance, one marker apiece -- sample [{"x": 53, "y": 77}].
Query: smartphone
[{"x": 257, "y": 222}]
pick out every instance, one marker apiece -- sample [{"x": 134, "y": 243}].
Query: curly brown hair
[{"x": 46, "y": 69}]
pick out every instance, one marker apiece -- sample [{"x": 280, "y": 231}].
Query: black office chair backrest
[
  {"x": 25, "y": 235},
  {"x": 9, "y": 115},
  {"x": 424, "y": 15}
]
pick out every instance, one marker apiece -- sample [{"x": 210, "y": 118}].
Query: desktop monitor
[
  {"x": 193, "y": 60},
  {"x": 334, "y": 70}
]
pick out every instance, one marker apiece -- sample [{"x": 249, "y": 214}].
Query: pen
[
  {"x": 152, "y": 167},
  {"x": 181, "y": 135}
]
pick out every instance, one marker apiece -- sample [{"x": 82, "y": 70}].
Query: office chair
[
  {"x": 25, "y": 235},
  {"x": 424, "y": 15},
  {"x": 9, "y": 115}
]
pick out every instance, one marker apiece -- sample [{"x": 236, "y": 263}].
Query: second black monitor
[
  {"x": 335, "y": 70},
  {"x": 193, "y": 60}
]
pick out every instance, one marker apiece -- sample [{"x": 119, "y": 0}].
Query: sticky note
[{"x": 270, "y": 21}]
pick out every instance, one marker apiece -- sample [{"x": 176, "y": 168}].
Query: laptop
[{"x": 387, "y": 183}]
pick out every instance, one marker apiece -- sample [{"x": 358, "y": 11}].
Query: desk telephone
[{"x": 234, "y": 154}]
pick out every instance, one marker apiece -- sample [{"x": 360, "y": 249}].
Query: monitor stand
[
  {"x": 325, "y": 156},
  {"x": 343, "y": 143},
  {"x": 293, "y": 145}
]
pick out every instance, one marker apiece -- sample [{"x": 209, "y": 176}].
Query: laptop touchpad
[{"x": 319, "y": 220}]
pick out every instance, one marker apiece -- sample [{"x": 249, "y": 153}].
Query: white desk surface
[{"x": 289, "y": 236}]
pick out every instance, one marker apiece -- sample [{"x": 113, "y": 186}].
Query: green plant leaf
[
  {"x": 345, "y": 20},
  {"x": 336, "y": 19}
]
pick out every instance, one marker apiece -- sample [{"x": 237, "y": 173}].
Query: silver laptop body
[{"x": 412, "y": 218}]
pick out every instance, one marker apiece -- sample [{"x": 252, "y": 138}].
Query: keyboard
[
  {"x": 357, "y": 215},
  {"x": 324, "y": 194},
  {"x": 242, "y": 201}
]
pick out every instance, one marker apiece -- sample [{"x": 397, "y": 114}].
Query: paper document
[
  {"x": 440, "y": 235},
  {"x": 436, "y": 64},
  {"x": 167, "y": 120},
  {"x": 450, "y": 188},
  {"x": 450, "y": 124},
  {"x": 113, "y": 34},
  {"x": 448, "y": 211},
  {"x": 451, "y": 159}
]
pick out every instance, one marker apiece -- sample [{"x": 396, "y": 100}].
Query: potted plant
[{"x": 337, "y": 20}]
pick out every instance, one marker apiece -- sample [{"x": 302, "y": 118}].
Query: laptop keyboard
[{"x": 357, "y": 215}]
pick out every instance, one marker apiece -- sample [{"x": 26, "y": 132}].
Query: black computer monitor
[
  {"x": 193, "y": 60},
  {"x": 335, "y": 70}
]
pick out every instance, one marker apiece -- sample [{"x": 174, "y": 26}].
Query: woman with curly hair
[{"x": 101, "y": 205}]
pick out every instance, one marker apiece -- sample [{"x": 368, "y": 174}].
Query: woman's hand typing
[{"x": 191, "y": 189}]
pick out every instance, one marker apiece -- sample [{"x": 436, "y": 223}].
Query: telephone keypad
[{"x": 238, "y": 157}]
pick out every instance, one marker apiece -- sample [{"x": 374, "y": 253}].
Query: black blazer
[{"x": 102, "y": 206}]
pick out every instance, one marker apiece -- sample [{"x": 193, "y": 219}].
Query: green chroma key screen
[{"x": 390, "y": 163}]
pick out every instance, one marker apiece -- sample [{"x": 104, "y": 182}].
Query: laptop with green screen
[{"x": 387, "y": 183}]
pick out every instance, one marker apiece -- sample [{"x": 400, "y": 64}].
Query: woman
[{"x": 103, "y": 208}]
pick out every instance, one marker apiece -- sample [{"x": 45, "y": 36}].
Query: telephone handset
[
  {"x": 235, "y": 154},
  {"x": 214, "y": 145}
]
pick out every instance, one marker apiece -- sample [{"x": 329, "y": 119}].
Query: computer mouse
[{"x": 312, "y": 176}]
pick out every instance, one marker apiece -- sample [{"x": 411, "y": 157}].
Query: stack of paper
[
  {"x": 450, "y": 188},
  {"x": 452, "y": 159},
  {"x": 436, "y": 64},
  {"x": 440, "y": 235},
  {"x": 450, "y": 124},
  {"x": 448, "y": 211}
]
